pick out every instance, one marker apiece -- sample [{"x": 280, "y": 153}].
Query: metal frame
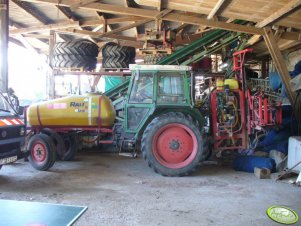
[
  {"x": 239, "y": 135},
  {"x": 261, "y": 113}
]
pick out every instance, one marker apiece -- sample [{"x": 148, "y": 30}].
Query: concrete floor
[{"x": 124, "y": 191}]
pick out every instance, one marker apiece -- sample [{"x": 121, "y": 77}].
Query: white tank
[{"x": 294, "y": 153}]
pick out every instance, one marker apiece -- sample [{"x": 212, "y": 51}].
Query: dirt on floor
[{"x": 124, "y": 191}]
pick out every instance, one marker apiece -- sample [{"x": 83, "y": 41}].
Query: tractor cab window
[
  {"x": 142, "y": 91},
  {"x": 171, "y": 88}
]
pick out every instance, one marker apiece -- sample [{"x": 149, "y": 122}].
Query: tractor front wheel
[
  {"x": 172, "y": 145},
  {"x": 42, "y": 152}
]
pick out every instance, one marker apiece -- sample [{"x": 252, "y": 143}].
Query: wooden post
[
  {"x": 279, "y": 62},
  {"x": 50, "y": 77},
  {"x": 282, "y": 69},
  {"x": 3, "y": 45}
]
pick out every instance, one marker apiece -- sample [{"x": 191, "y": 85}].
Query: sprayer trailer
[{"x": 156, "y": 115}]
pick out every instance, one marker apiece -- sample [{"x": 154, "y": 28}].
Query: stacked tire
[
  {"x": 116, "y": 56},
  {"x": 154, "y": 59},
  {"x": 80, "y": 53}
]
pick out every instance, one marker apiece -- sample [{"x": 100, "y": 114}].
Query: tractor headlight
[{"x": 22, "y": 131}]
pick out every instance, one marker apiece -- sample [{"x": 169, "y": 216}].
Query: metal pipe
[{"x": 3, "y": 45}]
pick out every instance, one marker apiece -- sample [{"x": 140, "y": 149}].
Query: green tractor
[{"x": 158, "y": 116}]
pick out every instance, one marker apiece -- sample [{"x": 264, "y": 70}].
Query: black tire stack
[
  {"x": 116, "y": 56},
  {"x": 80, "y": 53},
  {"x": 154, "y": 59}
]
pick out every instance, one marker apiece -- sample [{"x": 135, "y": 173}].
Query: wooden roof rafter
[
  {"x": 136, "y": 28},
  {"x": 95, "y": 34},
  {"x": 23, "y": 40},
  {"x": 289, "y": 7},
  {"x": 172, "y": 16},
  {"x": 69, "y": 15},
  {"x": 56, "y": 26},
  {"x": 218, "y": 6},
  {"x": 27, "y": 7}
]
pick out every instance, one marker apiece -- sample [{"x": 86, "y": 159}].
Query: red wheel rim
[
  {"x": 39, "y": 152},
  {"x": 175, "y": 146}
]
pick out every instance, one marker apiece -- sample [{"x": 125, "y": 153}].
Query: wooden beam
[
  {"x": 216, "y": 8},
  {"x": 36, "y": 36},
  {"x": 138, "y": 23},
  {"x": 214, "y": 24},
  {"x": 15, "y": 41},
  {"x": 106, "y": 26},
  {"x": 28, "y": 46},
  {"x": 290, "y": 6},
  {"x": 254, "y": 39},
  {"x": 160, "y": 5},
  {"x": 80, "y": 3},
  {"x": 24, "y": 40},
  {"x": 279, "y": 63},
  {"x": 66, "y": 13},
  {"x": 33, "y": 12},
  {"x": 181, "y": 27},
  {"x": 69, "y": 15},
  {"x": 173, "y": 16},
  {"x": 50, "y": 75},
  {"x": 186, "y": 39},
  {"x": 95, "y": 34},
  {"x": 44, "y": 28},
  {"x": 296, "y": 36},
  {"x": 110, "y": 21},
  {"x": 136, "y": 28},
  {"x": 163, "y": 13}
]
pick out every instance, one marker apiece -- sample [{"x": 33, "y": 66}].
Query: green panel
[
  {"x": 188, "y": 50},
  {"x": 226, "y": 41},
  {"x": 122, "y": 88},
  {"x": 191, "y": 48},
  {"x": 20, "y": 213},
  {"x": 112, "y": 81}
]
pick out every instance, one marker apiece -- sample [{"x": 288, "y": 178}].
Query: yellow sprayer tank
[{"x": 78, "y": 111}]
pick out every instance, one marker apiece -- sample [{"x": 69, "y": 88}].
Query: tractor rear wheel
[
  {"x": 42, "y": 152},
  {"x": 173, "y": 146}
]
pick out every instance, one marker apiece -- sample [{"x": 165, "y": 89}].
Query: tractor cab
[{"x": 154, "y": 88}]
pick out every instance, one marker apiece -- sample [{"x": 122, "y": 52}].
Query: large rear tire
[
  {"x": 154, "y": 59},
  {"x": 42, "y": 152},
  {"x": 173, "y": 145},
  {"x": 74, "y": 61},
  {"x": 112, "y": 49},
  {"x": 81, "y": 47},
  {"x": 118, "y": 62}
]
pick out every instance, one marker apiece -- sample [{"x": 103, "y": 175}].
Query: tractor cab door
[
  {"x": 140, "y": 100},
  {"x": 173, "y": 89}
]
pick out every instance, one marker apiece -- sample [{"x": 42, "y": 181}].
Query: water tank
[{"x": 77, "y": 111}]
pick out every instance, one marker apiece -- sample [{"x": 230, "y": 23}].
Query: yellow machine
[
  {"x": 232, "y": 83},
  {"x": 75, "y": 111}
]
